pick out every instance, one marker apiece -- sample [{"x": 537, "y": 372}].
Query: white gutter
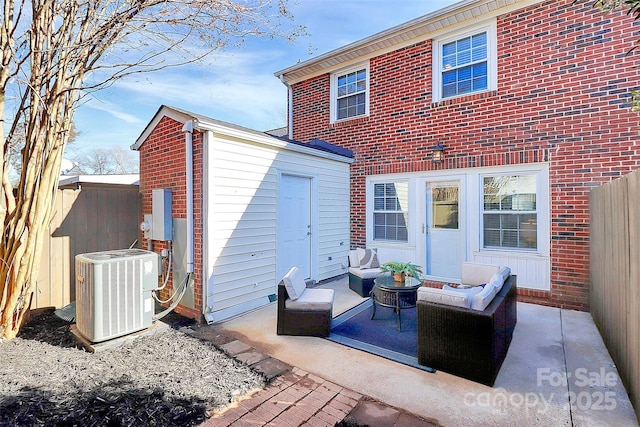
[
  {"x": 289, "y": 106},
  {"x": 188, "y": 140}
]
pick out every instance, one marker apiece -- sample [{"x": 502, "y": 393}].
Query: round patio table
[{"x": 399, "y": 296}]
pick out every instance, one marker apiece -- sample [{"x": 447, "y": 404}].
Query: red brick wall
[
  {"x": 163, "y": 165},
  {"x": 564, "y": 79}
]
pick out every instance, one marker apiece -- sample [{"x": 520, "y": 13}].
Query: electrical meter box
[{"x": 161, "y": 227}]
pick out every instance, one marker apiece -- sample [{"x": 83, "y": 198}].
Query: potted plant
[{"x": 401, "y": 269}]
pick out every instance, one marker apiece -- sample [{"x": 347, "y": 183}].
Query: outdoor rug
[{"x": 354, "y": 328}]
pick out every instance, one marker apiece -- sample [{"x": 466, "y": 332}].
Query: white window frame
[
  {"x": 492, "y": 58},
  {"x": 542, "y": 212},
  {"x": 334, "y": 92},
  {"x": 406, "y": 211}
]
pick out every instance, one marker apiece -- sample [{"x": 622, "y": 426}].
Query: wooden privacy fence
[
  {"x": 91, "y": 219},
  {"x": 615, "y": 274}
]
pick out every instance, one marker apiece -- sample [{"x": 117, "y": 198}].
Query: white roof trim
[
  {"x": 423, "y": 28},
  {"x": 267, "y": 140},
  {"x": 163, "y": 111},
  {"x": 205, "y": 124},
  {"x": 125, "y": 179}
]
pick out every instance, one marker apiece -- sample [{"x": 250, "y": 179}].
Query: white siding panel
[
  {"x": 243, "y": 306},
  {"x": 229, "y": 298},
  {"x": 240, "y": 249},
  {"x": 334, "y": 221},
  {"x": 238, "y": 275},
  {"x": 242, "y": 220}
]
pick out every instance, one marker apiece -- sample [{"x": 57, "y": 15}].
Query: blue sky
[{"x": 238, "y": 86}]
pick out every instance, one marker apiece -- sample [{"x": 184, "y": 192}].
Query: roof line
[{"x": 424, "y": 27}]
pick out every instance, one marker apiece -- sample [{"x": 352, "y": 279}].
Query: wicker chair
[
  {"x": 361, "y": 279},
  {"x": 308, "y": 313}
]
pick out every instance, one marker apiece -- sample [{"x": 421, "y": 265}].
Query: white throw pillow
[
  {"x": 475, "y": 274},
  {"x": 294, "y": 283},
  {"x": 481, "y": 300},
  {"x": 368, "y": 258}
]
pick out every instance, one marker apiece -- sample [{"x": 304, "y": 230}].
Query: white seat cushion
[
  {"x": 475, "y": 274},
  {"x": 312, "y": 299},
  {"x": 481, "y": 300},
  {"x": 443, "y": 296},
  {"x": 294, "y": 283},
  {"x": 365, "y": 273}
]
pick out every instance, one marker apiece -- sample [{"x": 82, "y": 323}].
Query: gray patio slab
[{"x": 549, "y": 345}]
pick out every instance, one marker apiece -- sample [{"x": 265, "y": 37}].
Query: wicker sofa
[{"x": 467, "y": 342}]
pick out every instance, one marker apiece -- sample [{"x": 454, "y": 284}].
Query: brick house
[
  {"x": 260, "y": 205},
  {"x": 528, "y": 101}
]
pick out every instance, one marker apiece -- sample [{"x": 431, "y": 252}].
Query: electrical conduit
[{"x": 188, "y": 139}]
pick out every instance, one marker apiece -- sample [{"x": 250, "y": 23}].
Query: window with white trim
[
  {"x": 465, "y": 63},
  {"x": 350, "y": 93},
  {"x": 390, "y": 211},
  {"x": 510, "y": 215}
]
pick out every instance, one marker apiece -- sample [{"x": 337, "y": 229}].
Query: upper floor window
[
  {"x": 390, "y": 211},
  {"x": 465, "y": 63},
  {"x": 350, "y": 93}
]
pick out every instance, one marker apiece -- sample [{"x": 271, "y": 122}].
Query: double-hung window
[
  {"x": 510, "y": 212},
  {"x": 390, "y": 211},
  {"x": 350, "y": 93},
  {"x": 465, "y": 63}
]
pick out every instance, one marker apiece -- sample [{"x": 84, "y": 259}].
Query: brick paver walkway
[{"x": 296, "y": 398}]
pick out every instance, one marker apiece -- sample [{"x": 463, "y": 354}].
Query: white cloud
[
  {"x": 238, "y": 95},
  {"x": 115, "y": 110}
]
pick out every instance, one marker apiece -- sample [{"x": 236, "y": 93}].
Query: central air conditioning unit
[{"x": 113, "y": 292}]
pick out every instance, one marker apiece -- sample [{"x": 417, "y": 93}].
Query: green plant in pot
[{"x": 401, "y": 269}]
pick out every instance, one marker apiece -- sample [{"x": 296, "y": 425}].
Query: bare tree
[
  {"x": 55, "y": 52},
  {"x": 16, "y": 144},
  {"x": 110, "y": 161}
]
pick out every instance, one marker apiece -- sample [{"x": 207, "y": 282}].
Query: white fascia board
[
  {"x": 164, "y": 111},
  {"x": 267, "y": 140},
  {"x": 122, "y": 179},
  {"x": 423, "y": 28}
]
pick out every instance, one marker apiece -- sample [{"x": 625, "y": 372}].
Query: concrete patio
[{"x": 555, "y": 355}]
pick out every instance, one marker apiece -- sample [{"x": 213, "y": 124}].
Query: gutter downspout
[
  {"x": 289, "y": 106},
  {"x": 188, "y": 142}
]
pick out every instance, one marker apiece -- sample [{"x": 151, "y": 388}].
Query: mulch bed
[{"x": 124, "y": 400}]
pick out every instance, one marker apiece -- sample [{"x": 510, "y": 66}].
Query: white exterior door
[
  {"x": 443, "y": 230},
  {"x": 294, "y": 225}
]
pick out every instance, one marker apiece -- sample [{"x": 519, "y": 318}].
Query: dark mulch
[
  {"x": 102, "y": 406},
  {"x": 49, "y": 328},
  {"x": 120, "y": 402},
  {"x": 344, "y": 423}
]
